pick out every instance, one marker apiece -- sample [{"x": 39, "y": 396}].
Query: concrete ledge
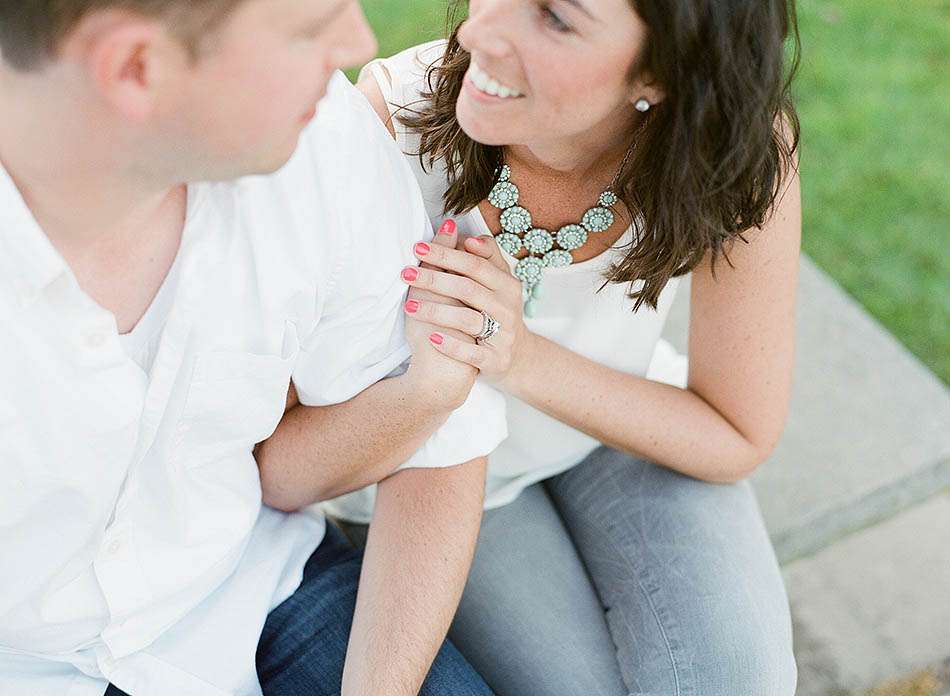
[
  {"x": 873, "y": 606},
  {"x": 869, "y": 429},
  {"x": 874, "y": 507}
]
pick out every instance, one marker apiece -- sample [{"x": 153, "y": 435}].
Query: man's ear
[{"x": 124, "y": 55}]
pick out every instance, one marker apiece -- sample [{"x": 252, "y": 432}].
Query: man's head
[
  {"x": 30, "y": 33},
  {"x": 187, "y": 89}
]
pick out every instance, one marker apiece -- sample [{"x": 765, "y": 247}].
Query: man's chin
[
  {"x": 255, "y": 162},
  {"x": 274, "y": 161},
  {"x": 309, "y": 116},
  {"x": 275, "y": 166}
]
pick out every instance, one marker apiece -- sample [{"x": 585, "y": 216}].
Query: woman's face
[{"x": 549, "y": 70}]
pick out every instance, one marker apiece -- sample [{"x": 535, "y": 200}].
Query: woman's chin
[{"x": 479, "y": 127}]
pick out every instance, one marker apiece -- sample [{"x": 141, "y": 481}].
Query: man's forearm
[
  {"x": 320, "y": 452},
  {"x": 417, "y": 559}
]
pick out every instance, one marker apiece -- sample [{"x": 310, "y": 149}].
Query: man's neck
[
  {"x": 95, "y": 187},
  {"x": 118, "y": 234},
  {"x": 81, "y": 184},
  {"x": 81, "y": 209}
]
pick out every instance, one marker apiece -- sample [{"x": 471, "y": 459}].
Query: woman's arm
[
  {"x": 418, "y": 554},
  {"x": 741, "y": 351}
]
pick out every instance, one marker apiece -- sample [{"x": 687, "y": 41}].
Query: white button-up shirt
[{"x": 133, "y": 544}]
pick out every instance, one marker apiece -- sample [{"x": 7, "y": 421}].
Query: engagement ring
[{"x": 489, "y": 328}]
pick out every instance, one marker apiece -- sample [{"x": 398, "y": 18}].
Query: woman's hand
[
  {"x": 478, "y": 278},
  {"x": 439, "y": 376}
]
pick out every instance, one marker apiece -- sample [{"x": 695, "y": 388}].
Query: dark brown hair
[
  {"x": 711, "y": 157},
  {"x": 31, "y": 30}
]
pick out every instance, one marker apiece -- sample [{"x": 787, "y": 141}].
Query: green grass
[
  {"x": 874, "y": 98},
  {"x": 403, "y": 23}
]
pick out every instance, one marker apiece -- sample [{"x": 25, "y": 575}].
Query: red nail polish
[
  {"x": 448, "y": 227},
  {"x": 410, "y": 274},
  {"x": 437, "y": 339},
  {"x": 422, "y": 249},
  {"x": 412, "y": 306},
  {"x": 478, "y": 240}
]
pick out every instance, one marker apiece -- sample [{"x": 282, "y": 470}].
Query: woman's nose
[{"x": 488, "y": 27}]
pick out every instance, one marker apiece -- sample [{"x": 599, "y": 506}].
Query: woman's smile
[{"x": 488, "y": 83}]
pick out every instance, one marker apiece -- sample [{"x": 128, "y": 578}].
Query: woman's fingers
[
  {"x": 470, "y": 353},
  {"x": 463, "y": 319},
  {"x": 445, "y": 236},
  {"x": 458, "y": 287},
  {"x": 487, "y": 248},
  {"x": 478, "y": 268}
]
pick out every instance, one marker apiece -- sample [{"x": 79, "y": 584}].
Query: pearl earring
[{"x": 642, "y": 106}]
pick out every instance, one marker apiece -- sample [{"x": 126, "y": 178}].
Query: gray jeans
[{"x": 620, "y": 577}]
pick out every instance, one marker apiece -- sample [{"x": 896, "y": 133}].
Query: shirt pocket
[{"x": 236, "y": 399}]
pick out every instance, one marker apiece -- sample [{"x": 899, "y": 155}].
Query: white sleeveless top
[{"x": 598, "y": 325}]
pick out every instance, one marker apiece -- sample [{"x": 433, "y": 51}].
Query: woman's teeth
[{"x": 489, "y": 85}]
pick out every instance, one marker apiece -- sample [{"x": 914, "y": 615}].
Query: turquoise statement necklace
[{"x": 545, "y": 249}]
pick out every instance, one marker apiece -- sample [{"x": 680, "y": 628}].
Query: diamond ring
[{"x": 489, "y": 328}]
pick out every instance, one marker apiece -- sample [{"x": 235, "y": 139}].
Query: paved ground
[{"x": 934, "y": 681}]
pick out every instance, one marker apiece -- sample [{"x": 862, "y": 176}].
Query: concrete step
[
  {"x": 868, "y": 433},
  {"x": 875, "y": 605}
]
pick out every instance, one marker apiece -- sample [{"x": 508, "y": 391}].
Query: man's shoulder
[
  {"x": 347, "y": 139},
  {"x": 357, "y": 168},
  {"x": 343, "y": 113},
  {"x": 344, "y": 156},
  {"x": 347, "y": 180}
]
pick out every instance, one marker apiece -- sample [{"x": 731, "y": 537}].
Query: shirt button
[{"x": 114, "y": 548}]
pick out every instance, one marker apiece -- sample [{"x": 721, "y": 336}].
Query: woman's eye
[{"x": 553, "y": 20}]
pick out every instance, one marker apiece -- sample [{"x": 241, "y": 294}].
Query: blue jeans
[
  {"x": 623, "y": 578},
  {"x": 303, "y": 645}
]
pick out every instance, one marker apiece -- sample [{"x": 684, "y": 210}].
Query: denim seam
[
  {"x": 648, "y": 595},
  {"x": 639, "y": 574}
]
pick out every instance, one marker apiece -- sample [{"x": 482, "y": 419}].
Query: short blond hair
[{"x": 31, "y": 30}]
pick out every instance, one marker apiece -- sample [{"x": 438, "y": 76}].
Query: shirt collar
[
  {"x": 29, "y": 257},
  {"x": 25, "y": 250}
]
